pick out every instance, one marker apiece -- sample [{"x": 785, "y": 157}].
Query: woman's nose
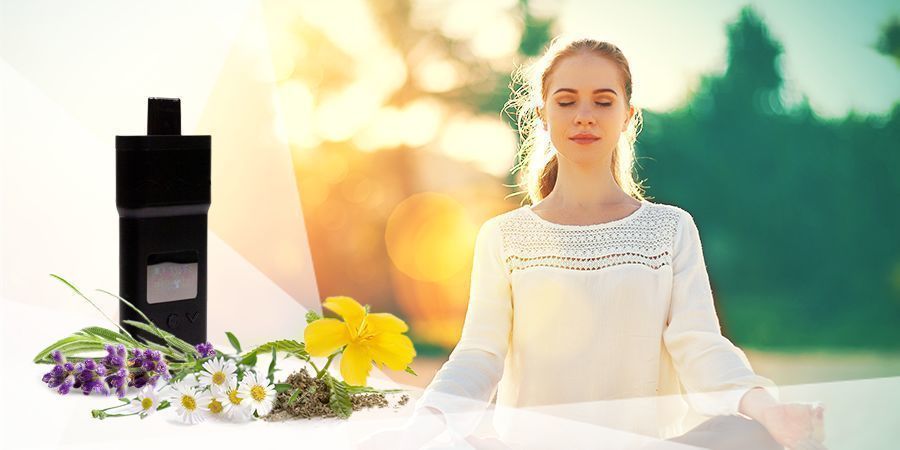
[{"x": 584, "y": 118}]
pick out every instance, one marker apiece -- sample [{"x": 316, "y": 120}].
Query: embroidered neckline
[
  {"x": 646, "y": 236},
  {"x": 644, "y": 204}
]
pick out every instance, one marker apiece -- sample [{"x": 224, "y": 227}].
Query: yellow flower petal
[
  {"x": 324, "y": 336},
  {"x": 385, "y": 323},
  {"x": 355, "y": 365},
  {"x": 394, "y": 350},
  {"x": 349, "y": 309}
]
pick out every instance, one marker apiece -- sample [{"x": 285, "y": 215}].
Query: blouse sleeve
[
  {"x": 715, "y": 373},
  {"x": 463, "y": 387}
]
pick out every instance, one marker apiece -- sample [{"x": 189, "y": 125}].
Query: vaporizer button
[{"x": 172, "y": 321}]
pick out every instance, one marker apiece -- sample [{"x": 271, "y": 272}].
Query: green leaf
[
  {"x": 182, "y": 346},
  {"x": 409, "y": 370},
  {"x": 234, "y": 341},
  {"x": 181, "y": 374},
  {"x": 45, "y": 353},
  {"x": 312, "y": 316},
  {"x": 282, "y": 387},
  {"x": 249, "y": 360},
  {"x": 75, "y": 289},
  {"x": 293, "y": 397},
  {"x": 111, "y": 336},
  {"x": 271, "y": 373},
  {"x": 167, "y": 337},
  {"x": 154, "y": 346},
  {"x": 73, "y": 348},
  {"x": 295, "y": 348},
  {"x": 339, "y": 399}
]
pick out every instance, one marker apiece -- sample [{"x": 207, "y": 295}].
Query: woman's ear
[
  {"x": 631, "y": 112},
  {"x": 540, "y": 114}
]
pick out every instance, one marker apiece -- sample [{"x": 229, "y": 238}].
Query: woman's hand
[
  {"x": 795, "y": 425},
  {"x": 417, "y": 432}
]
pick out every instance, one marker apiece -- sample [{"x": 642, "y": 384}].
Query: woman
[{"x": 593, "y": 294}]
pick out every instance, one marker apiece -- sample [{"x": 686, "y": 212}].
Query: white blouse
[{"x": 586, "y": 314}]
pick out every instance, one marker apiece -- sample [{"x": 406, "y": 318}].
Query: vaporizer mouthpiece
[{"x": 164, "y": 116}]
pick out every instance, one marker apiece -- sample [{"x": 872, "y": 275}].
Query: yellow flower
[{"x": 368, "y": 337}]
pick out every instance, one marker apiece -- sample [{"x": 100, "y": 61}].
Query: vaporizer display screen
[{"x": 172, "y": 276}]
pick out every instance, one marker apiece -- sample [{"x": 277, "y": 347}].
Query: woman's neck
[{"x": 585, "y": 187}]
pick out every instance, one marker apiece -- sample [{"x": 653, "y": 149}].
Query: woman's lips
[{"x": 584, "y": 140}]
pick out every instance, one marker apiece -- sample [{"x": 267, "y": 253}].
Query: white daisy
[
  {"x": 215, "y": 405},
  {"x": 146, "y": 402},
  {"x": 258, "y": 392},
  {"x": 216, "y": 372},
  {"x": 235, "y": 408},
  {"x": 191, "y": 405}
]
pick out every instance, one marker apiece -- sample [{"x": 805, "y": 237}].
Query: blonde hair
[{"x": 535, "y": 154}]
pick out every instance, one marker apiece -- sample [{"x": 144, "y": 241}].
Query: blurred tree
[
  {"x": 800, "y": 243},
  {"x": 889, "y": 42}
]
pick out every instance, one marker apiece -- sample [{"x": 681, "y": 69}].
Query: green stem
[
  {"x": 327, "y": 363},
  {"x": 102, "y": 415}
]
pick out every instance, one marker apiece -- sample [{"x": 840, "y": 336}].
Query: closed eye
[{"x": 572, "y": 103}]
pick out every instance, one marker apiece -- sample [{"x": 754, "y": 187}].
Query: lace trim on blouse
[{"x": 645, "y": 237}]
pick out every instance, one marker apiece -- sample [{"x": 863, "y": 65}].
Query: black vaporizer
[{"x": 163, "y": 197}]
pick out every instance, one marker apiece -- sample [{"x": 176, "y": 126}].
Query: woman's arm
[
  {"x": 463, "y": 387},
  {"x": 714, "y": 371},
  {"x": 466, "y": 382}
]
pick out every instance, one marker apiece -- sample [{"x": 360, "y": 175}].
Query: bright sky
[
  {"x": 828, "y": 47},
  {"x": 828, "y": 56}
]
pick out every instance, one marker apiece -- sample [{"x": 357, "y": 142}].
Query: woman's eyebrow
[{"x": 575, "y": 91}]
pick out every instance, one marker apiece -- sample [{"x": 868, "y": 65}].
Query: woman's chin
[{"x": 587, "y": 156}]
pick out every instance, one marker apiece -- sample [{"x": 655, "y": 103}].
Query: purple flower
[
  {"x": 118, "y": 370},
  {"x": 86, "y": 375},
  {"x": 89, "y": 377},
  {"x": 147, "y": 367},
  {"x": 205, "y": 349},
  {"x": 115, "y": 363},
  {"x": 62, "y": 376}
]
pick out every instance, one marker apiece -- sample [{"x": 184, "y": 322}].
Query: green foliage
[
  {"x": 792, "y": 209},
  {"x": 889, "y": 40},
  {"x": 292, "y": 347},
  {"x": 339, "y": 399},
  {"x": 312, "y": 316},
  {"x": 234, "y": 341},
  {"x": 270, "y": 374},
  {"x": 181, "y": 345}
]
